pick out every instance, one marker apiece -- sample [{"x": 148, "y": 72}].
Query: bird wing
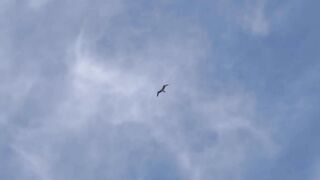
[
  {"x": 162, "y": 89},
  {"x": 164, "y": 86}
]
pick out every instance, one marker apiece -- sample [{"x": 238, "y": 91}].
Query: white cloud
[
  {"x": 108, "y": 112},
  {"x": 211, "y": 139},
  {"x": 249, "y": 15},
  {"x": 254, "y": 19},
  {"x": 252, "y": 16},
  {"x": 33, "y": 165}
]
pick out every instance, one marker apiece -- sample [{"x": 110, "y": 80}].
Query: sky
[{"x": 79, "y": 82}]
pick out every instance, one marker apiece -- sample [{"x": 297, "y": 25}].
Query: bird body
[{"x": 162, "y": 89}]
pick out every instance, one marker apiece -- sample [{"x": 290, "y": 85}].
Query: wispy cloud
[
  {"x": 250, "y": 16},
  {"x": 254, "y": 17},
  {"x": 85, "y": 107}
]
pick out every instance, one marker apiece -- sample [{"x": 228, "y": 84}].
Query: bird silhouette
[{"x": 162, "y": 89}]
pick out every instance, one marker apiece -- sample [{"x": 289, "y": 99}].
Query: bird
[{"x": 162, "y": 89}]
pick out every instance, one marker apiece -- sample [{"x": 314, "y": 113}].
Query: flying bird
[{"x": 162, "y": 89}]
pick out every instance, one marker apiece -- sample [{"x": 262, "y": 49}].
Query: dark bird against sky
[{"x": 162, "y": 89}]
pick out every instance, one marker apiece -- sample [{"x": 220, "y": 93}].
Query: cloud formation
[{"x": 79, "y": 94}]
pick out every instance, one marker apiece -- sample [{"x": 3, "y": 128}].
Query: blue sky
[{"x": 79, "y": 82}]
